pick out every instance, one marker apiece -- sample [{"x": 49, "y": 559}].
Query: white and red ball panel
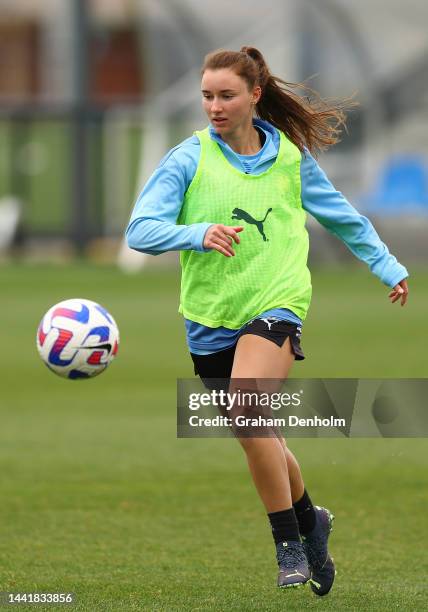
[{"x": 77, "y": 338}]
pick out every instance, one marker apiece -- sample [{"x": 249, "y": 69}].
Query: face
[{"x": 227, "y": 101}]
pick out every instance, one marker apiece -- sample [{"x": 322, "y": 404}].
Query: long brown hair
[{"x": 307, "y": 121}]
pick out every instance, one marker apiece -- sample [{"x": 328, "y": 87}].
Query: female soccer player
[{"x": 232, "y": 198}]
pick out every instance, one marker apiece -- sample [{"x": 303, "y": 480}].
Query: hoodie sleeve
[
  {"x": 152, "y": 228},
  {"x": 332, "y": 210}
]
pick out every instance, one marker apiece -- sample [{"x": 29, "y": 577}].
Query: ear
[{"x": 257, "y": 94}]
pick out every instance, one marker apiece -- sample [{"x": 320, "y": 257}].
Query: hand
[
  {"x": 220, "y": 237},
  {"x": 399, "y": 291}
]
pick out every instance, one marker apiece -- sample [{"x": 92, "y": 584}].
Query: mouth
[{"x": 218, "y": 120}]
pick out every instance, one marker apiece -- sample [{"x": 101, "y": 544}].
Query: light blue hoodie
[{"x": 152, "y": 228}]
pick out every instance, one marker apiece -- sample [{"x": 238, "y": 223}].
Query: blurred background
[
  {"x": 99, "y": 497},
  {"x": 94, "y": 92}
]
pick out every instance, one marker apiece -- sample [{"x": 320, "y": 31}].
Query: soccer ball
[{"x": 77, "y": 339}]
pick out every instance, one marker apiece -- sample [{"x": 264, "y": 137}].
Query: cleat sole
[{"x": 296, "y": 585}]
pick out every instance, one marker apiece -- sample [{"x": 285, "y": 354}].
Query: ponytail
[{"x": 308, "y": 121}]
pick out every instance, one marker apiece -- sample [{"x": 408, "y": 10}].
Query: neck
[{"x": 243, "y": 141}]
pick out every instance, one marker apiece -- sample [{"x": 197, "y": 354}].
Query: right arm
[{"x": 152, "y": 228}]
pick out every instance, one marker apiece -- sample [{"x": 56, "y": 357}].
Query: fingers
[
  {"x": 394, "y": 296},
  {"x": 220, "y": 244},
  {"x": 233, "y": 232},
  {"x": 221, "y": 237},
  {"x": 399, "y": 292},
  {"x": 225, "y": 245}
]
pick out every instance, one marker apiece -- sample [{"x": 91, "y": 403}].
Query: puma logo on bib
[{"x": 242, "y": 215}]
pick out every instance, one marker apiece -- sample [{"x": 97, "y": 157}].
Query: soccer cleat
[
  {"x": 315, "y": 546},
  {"x": 292, "y": 563}
]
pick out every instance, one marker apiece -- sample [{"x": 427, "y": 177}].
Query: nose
[{"x": 216, "y": 106}]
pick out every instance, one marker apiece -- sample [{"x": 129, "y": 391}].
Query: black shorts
[{"x": 219, "y": 364}]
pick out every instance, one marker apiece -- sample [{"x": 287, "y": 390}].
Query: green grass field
[{"x": 99, "y": 498}]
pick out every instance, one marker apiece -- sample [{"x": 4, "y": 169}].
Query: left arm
[{"x": 335, "y": 213}]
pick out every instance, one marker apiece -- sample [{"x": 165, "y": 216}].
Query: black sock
[
  {"x": 305, "y": 514},
  {"x": 284, "y": 526}
]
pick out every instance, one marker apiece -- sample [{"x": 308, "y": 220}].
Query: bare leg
[
  {"x": 274, "y": 469},
  {"x": 297, "y": 485},
  {"x": 265, "y": 457}
]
